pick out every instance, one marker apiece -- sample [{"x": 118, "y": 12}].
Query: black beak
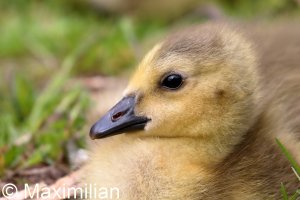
[{"x": 119, "y": 119}]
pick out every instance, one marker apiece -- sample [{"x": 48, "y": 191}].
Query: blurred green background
[{"x": 47, "y": 45}]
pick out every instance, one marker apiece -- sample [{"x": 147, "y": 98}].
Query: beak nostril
[{"x": 118, "y": 115}]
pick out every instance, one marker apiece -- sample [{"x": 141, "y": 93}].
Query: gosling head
[{"x": 200, "y": 82}]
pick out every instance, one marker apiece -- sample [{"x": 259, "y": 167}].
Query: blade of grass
[
  {"x": 289, "y": 157},
  {"x": 78, "y": 108},
  {"x": 284, "y": 192},
  {"x": 36, "y": 157},
  {"x": 128, "y": 31},
  {"x": 22, "y": 97},
  {"x": 67, "y": 100},
  {"x": 295, "y": 196},
  {"x": 296, "y": 173}
]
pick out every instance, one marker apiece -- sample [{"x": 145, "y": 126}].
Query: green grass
[
  {"x": 35, "y": 125},
  {"x": 258, "y": 8},
  {"x": 49, "y": 31},
  {"x": 295, "y": 168}
]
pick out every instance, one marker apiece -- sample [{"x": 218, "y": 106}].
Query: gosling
[{"x": 196, "y": 123}]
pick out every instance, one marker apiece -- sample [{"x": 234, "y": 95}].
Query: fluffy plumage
[{"x": 214, "y": 138}]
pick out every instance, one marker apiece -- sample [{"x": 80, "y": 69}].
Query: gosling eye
[{"x": 172, "y": 81}]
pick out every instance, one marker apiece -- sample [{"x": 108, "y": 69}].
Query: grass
[
  {"x": 50, "y": 31},
  {"x": 257, "y": 8},
  {"x": 296, "y": 170},
  {"x": 35, "y": 126}
]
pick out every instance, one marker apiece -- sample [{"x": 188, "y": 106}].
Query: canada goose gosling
[{"x": 189, "y": 109}]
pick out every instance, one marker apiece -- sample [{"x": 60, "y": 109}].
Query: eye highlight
[{"x": 172, "y": 81}]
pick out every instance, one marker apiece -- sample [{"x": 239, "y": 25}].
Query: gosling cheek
[{"x": 156, "y": 126}]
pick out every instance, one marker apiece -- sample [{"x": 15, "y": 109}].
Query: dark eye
[{"x": 172, "y": 81}]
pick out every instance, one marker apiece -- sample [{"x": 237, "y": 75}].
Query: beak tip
[
  {"x": 93, "y": 133},
  {"x": 92, "y": 137}
]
